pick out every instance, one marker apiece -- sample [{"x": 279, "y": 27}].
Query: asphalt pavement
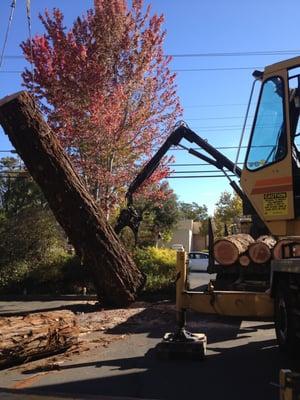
[{"x": 243, "y": 362}]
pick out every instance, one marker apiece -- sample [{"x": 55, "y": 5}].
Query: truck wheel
[{"x": 286, "y": 320}]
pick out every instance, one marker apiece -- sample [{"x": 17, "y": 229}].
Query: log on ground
[
  {"x": 36, "y": 335},
  {"x": 228, "y": 249},
  {"x": 116, "y": 278},
  {"x": 260, "y": 252}
]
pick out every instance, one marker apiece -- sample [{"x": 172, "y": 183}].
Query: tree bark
[
  {"x": 260, "y": 252},
  {"x": 36, "y": 336},
  {"x": 228, "y": 249},
  {"x": 116, "y": 278}
]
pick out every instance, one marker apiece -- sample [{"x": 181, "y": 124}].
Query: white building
[{"x": 187, "y": 233}]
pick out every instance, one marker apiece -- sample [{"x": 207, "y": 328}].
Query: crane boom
[{"x": 182, "y": 132}]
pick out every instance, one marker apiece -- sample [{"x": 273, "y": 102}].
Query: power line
[
  {"x": 215, "y": 69},
  {"x": 222, "y": 147},
  {"x": 216, "y": 105},
  {"x": 193, "y": 164},
  {"x": 216, "y": 118},
  {"x": 10, "y": 18},
  {"x": 194, "y": 172},
  {"x": 199, "y": 176},
  {"x": 182, "y": 70},
  {"x": 215, "y": 54},
  {"x": 10, "y": 72},
  {"x": 8, "y": 151},
  {"x": 237, "y": 53}
]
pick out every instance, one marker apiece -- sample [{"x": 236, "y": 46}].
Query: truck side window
[{"x": 268, "y": 140}]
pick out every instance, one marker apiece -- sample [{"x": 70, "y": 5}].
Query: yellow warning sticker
[{"x": 275, "y": 204}]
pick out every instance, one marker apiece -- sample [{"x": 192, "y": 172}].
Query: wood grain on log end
[
  {"x": 225, "y": 252},
  {"x": 244, "y": 260},
  {"x": 259, "y": 253}
]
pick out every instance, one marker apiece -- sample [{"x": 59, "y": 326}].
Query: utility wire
[
  {"x": 216, "y": 105},
  {"x": 199, "y": 176},
  {"x": 215, "y": 118},
  {"x": 238, "y": 53},
  {"x": 10, "y": 18},
  {"x": 192, "y": 164},
  {"x": 215, "y": 69},
  {"x": 216, "y": 54},
  {"x": 184, "y": 70}
]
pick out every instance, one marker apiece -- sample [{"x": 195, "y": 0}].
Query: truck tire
[{"x": 287, "y": 320}]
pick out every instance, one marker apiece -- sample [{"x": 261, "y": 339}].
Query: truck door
[{"x": 267, "y": 176}]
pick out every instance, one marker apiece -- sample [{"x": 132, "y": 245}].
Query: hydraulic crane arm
[
  {"x": 182, "y": 132},
  {"x": 130, "y": 216}
]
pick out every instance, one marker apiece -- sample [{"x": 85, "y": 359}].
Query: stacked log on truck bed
[{"x": 243, "y": 249}]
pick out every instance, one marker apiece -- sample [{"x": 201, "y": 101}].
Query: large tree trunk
[
  {"x": 228, "y": 249},
  {"x": 36, "y": 336},
  {"x": 117, "y": 279}
]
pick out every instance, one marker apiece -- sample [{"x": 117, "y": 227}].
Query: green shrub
[
  {"x": 159, "y": 266},
  {"x": 13, "y": 276}
]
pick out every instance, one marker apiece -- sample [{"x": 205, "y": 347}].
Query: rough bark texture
[
  {"x": 117, "y": 279},
  {"x": 260, "y": 252},
  {"x": 36, "y": 336},
  {"x": 227, "y": 250}
]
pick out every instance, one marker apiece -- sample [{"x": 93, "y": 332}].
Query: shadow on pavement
[
  {"x": 245, "y": 372},
  {"x": 75, "y": 308}
]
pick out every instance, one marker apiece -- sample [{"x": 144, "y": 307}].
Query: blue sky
[{"x": 214, "y": 101}]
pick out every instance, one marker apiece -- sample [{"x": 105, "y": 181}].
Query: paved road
[
  {"x": 199, "y": 280},
  {"x": 10, "y": 308},
  {"x": 242, "y": 362}
]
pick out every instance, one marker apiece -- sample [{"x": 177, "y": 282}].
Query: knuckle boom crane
[{"x": 269, "y": 186}]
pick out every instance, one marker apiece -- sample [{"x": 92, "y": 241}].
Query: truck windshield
[{"x": 268, "y": 139}]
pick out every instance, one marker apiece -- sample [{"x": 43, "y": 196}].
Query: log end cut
[
  {"x": 259, "y": 253},
  {"x": 225, "y": 252}
]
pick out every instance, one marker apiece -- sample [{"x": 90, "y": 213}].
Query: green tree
[
  {"x": 18, "y": 190},
  {"x": 193, "y": 211},
  {"x": 30, "y": 236},
  {"x": 28, "y": 239},
  {"x": 227, "y": 212},
  {"x": 159, "y": 217}
]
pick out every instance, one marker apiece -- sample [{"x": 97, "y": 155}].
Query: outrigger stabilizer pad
[{"x": 182, "y": 345}]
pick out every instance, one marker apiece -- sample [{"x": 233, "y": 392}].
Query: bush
[
  {"x": 34, "y": 256},
  {"x": 159, "y": 266}
]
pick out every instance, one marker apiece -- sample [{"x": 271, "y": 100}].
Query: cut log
[
  {"x": 227, "y": 250},
  {"x": 36, "y": 336},
  {"x": 281, "y": 249},
  {"x": 116, "y": 278},
  {"x": 260, "y": 252},
  {"x": 244, "y": 260}
]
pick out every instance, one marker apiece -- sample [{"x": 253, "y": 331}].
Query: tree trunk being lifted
[
  {"x": 260, "y": 252},
  {"x": 228, "y": 249},
  {"x": 116, "y": 278},
  {"x": 36, "y": 335}
]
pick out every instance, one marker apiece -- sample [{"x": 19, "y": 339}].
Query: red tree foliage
[{"x": 107, "y": 91}]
